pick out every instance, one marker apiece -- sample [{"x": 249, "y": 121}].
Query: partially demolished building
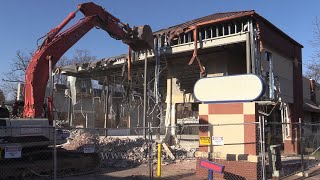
[{"x": 216, "y": 45}]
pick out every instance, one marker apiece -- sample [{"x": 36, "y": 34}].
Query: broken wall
[
  {"x": 225, "y": 61},
  {"x": 283, "y": 74}
]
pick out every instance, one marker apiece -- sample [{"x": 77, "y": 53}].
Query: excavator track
[{"x": 40, "y": 164}]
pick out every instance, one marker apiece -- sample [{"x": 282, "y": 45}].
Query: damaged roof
[
  {"x": 85, "y": 69},
  {"x": 219, "y": 17}
]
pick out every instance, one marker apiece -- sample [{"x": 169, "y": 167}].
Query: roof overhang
[{"x": 311, "y": 106}]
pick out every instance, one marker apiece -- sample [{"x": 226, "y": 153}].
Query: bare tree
[
  {"x": 313, "y": 67},
  {"x": 313, "y": 71},
  {"x": 19, "y": 64},
  {"x": 18, "y": 68},
  {"x": 16, "y": 72},
  {"x": 82, "y": 56}
]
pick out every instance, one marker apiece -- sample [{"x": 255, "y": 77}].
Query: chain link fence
[
  {"x": 133, "y": 153},
  {"x": 311, "y": 145},
  {"x": 222, "y": 144},
  {"x": 122, "y": 153},
  {"x": 27, "y": 152},
  {"x": 302, "y": 137},
  {"x": 72, "y": 153}
]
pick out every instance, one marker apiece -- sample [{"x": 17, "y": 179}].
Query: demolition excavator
[{"x": 33, "y": 135}]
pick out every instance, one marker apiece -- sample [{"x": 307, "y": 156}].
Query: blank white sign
[{"x": 236, "y": 88}]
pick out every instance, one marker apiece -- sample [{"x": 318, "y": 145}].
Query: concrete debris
[
  {"x": 79, "y": 137},
  {"x": 167, "y": 151},
  {"x": 62, "y": 124},
  {"x": 165, "y": 163},
  {"x": 125, "y": 152}
]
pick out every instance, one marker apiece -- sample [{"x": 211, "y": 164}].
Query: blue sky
[{"x": 23, "y": 22}]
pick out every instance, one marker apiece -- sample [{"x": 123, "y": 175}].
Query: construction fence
[
  {"x": 134, "y": 153},
  {"x": 308, "y": 146},
  {"x": 131, "y": 153}
]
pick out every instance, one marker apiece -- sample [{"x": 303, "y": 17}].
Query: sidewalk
[{"x": 311, "y": 174}]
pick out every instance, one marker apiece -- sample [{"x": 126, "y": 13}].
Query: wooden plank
[{"x": 168, "y": 152}]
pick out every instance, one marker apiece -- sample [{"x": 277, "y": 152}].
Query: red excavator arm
[{"x": 56, "y": 44}]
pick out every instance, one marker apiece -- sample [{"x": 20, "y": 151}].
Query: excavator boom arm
[
  {"x": 56, "y": 44},
  {"x": 37, "y": 73}
]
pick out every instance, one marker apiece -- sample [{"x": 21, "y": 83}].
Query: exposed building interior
[
  {"x": 110, "y": 92},
  {"x": 115, "y": 101}
]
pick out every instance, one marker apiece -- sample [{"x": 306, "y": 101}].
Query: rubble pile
[
  {"x": 125, "y": 152},
  {"x": 79, "y": 137},
  {"x": 62, "y": 124},
  {"x": 179, "y": 154}
]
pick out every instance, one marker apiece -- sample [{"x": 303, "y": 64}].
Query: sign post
[
  {"x": 210, "y": 175},
  {"x": 212, "y": 167}
]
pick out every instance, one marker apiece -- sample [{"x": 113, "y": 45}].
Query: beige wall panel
[
  {"x": 207, "y": 43},
  {"x": 203, "y": 109},
  {"x": 231, "y": 133},
  {"x": 178, "y": 96},
  {"x": 286, "y": 90},
  {"x": 283, "y": 69},
  {"x": 282, "y": 66},
  {"x": 249, "y": 108}
]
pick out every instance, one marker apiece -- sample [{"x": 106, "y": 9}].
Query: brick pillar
[
  {"x": 244, "y": 146},
  {"x": 291, "y": 144}
]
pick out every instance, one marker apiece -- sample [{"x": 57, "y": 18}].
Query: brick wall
[
  {"x": 244, "y": 135},
  {"x": 233, "y": 170},
  {"x": 242, "y": 138}
]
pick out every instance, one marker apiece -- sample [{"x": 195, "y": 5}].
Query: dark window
[{"x": 2, "y": 122}]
